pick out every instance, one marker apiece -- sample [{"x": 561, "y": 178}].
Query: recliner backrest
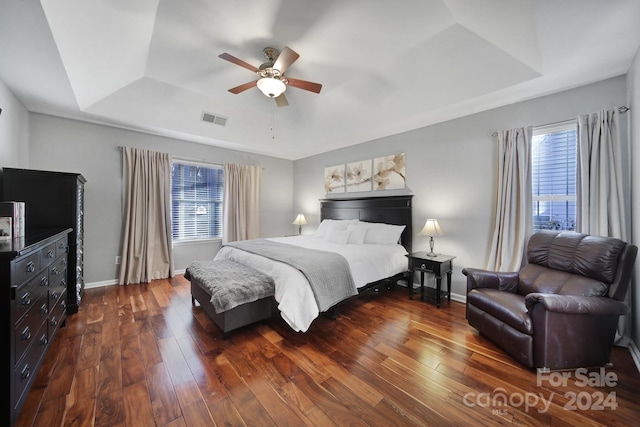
[{"x": 577, "y": 264}]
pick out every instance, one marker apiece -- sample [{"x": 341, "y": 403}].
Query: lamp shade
[
  {"x": 271, "y": 87},
  {"x": 300, "y": 220},
  {"x": 431, "y": 228}
]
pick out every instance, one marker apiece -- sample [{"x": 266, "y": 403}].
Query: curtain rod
[
  {"x": 186, "y": 159},
  {"x": 621, "y": 110}
]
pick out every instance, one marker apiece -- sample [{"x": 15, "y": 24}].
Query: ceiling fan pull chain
[{"x": 273, "y": 123}]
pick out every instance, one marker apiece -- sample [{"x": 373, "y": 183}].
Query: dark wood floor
[{"x": 144, "y": 356}]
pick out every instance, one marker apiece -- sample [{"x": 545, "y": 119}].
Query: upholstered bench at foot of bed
[{"x": 233, "y": 295}]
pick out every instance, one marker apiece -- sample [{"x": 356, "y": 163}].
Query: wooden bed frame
[{"x": 395, "y": 210}]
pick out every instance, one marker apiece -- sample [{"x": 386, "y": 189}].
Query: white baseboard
[
  {"x": 100, "y": 284},
  {"x": 115, "y": 281}
]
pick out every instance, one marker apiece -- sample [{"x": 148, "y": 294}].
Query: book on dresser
[{"x": 12, "y": 221}]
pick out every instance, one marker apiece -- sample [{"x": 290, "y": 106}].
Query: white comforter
[{"x": 293, "y": 293}]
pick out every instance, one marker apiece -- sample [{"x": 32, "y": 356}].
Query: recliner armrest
[
  {"x": 503, "y": 281},
  {"x": 573, "y": 304}
]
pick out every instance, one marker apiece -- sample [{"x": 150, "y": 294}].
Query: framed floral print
[
  {"x": 334, "y": 179},
  {"x": 359, "y": 176},
  {"x": 389, "y": 172}
]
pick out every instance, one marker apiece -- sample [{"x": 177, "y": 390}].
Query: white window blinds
[
  {"x": 553, "y": 173},
  {"x": 196, "y": 201}
]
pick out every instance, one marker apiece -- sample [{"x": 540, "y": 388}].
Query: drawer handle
[
  {"x": 31, "y": 267},
  {"x": 44, "y": 340},
  {"x": 64, "y": 261},
  {"x": 44, "y": 308},
  {"x": 54, "y": 295},
  {"x": 26, "y": 299},
  {"x": 49, "y": 253},
  {"x": 63, "y": 283},
  {"x": 26, "y": 334},
  {"x": 54, "y": 322},
  {"x": 55, "y": 271},
  {"x": 25, "y": 373},
  {"x": 62, "y": 246},
  {"x": 63, "y": 304}
]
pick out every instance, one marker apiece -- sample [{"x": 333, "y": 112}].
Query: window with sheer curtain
[
  {"x": 196, "y": 201},
  {"x": 553, "y": 176}
]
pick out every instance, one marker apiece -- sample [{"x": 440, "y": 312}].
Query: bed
[{"x": 357, "y": 232}]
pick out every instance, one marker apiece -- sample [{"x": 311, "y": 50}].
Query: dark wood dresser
[
  {"x": 52, "y": 200},
  {"x": 33, "y": 270}
]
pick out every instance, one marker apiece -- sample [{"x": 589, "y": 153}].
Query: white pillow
[
  {"x": 337, "y": 236},
  {"x": 357, "y": 234},
  {"x": 323, "y": 228},
  {"x": 333, "y": 224},
  {"x": 383, "y": 234}
]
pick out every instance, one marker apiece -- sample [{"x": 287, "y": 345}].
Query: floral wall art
[
  {"x": 359, "y": 176},
  {"x": 389, "y": 172},
  {"x": 381, "y": 173},
  {"x": 334, "y": 180}
]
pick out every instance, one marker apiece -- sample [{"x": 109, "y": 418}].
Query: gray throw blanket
[
  {"x": 328, "y": 273},
  {"x": 230, "y": 284}
]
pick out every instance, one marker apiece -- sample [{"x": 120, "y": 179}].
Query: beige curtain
[
  {"x": 599, "y": 178},
  {"x": 146, "y": 239},
  {"x": 241, "y": 202},
  {"x": 513, "y": 220},
  {"x": 600, "y": 198}
]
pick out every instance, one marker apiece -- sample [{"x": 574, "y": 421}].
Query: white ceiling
[{"x": 385, "y": 66}]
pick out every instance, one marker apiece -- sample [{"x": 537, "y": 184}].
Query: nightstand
[{"x": 437, "y": 265}]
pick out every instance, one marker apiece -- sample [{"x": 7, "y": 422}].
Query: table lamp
[
  {"x": 300, "y": 221},
  {"x": 432, "y": 229}
]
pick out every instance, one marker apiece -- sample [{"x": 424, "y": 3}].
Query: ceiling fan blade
[
  {"x": 281, "y": 101},
  {"x": 285, "y": 59},
  {"x": 303, "y": 84},
  {"x": 236, "y": 90},
  {"x": 239, "y": 62}
]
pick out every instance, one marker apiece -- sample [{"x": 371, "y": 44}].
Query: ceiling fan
[{"x": 272, "y": 81}]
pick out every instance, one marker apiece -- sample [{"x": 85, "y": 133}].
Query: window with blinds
[
  {"x": 553, "y": 173},
  {"x": 196, "y": 201}
]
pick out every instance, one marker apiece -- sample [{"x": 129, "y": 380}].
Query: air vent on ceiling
[{"x": 215, "y": 119}]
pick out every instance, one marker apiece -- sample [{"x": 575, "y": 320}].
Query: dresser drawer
[
  {"x": 26, "y": 268},
  {"x": 27, "y": 330},
  {"x": 58, "y": 283},
  {"x": 48, "y": 254},
  {"x": 62, "y": 246},
  {"x": 57, "y": 271},
  {"x": 29, "y": 295},
  {"x": 25, "y": 369},
  {"x": 57, "y": 315},
  {"x": 415, "y": 263}
]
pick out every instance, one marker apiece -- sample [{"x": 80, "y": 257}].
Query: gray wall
[
  {"x": 633, "y": 81},
  {"x": 451, "y": 169},
  {"x": 92, "y": 150},
  {"x": 14, "y": 130}
]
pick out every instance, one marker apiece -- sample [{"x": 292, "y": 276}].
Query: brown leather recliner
[{"x": 561, "y": 310}]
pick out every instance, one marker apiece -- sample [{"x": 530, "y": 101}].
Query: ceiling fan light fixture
[{"x": 271, "y": 87}]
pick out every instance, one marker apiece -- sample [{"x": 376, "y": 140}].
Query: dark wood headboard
[{"x": 390, "y": 210}]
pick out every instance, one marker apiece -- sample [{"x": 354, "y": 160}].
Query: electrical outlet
[{"x": 117, "y": 260}]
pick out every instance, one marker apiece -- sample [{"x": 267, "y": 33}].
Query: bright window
[
  {"x": 196, "y": 201},
  {"x": 553, "y": 173}
]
